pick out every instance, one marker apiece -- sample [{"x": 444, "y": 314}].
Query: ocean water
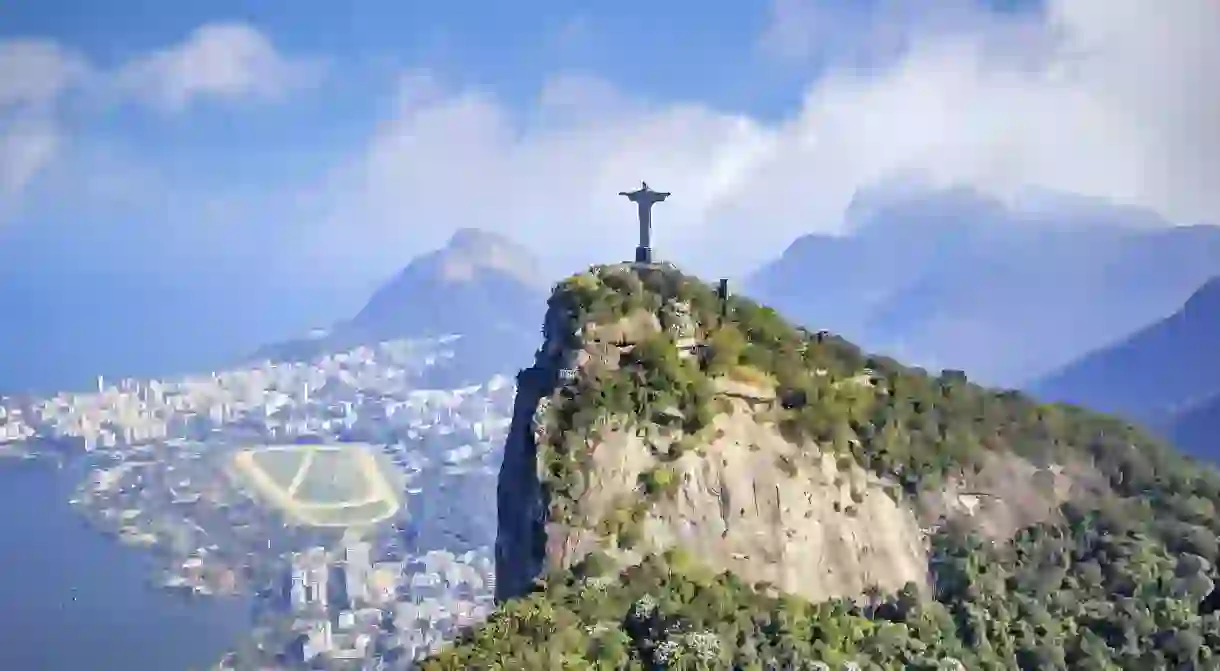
[{"x": 72, "y": 598}]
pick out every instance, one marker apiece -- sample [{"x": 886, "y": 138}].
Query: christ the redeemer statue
[{"x": 645, "y": 198}]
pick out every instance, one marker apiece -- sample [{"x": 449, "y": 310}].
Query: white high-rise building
[
  {"x": 310, "y": 574},
  {"x": 298, "y": 594},
  {"x": 489, "y": 579},
  {"x": 318, "y": 579},
  {"x": 356, "y": 571}
]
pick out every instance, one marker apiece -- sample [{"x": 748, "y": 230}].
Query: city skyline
[{"x": 155, "y": 449}]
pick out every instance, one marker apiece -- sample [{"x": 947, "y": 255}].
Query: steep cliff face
[
  {"x": 653, "y": 420},
  {"x": 751, "y": 502},
  {"x": 522, "y": 499}
]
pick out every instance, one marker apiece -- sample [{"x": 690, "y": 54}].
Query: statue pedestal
[{"x": 643, "y": 254}]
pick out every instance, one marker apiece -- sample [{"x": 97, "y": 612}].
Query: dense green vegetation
[
  {"x": 900, "y": 422},
  {"x": 1094, "y": 594},
  {"x": 1114, "y": 583}
]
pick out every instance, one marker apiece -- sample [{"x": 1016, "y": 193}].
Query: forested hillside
[{"x": 1117, "y": 577}]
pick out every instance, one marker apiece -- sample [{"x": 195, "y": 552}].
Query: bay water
[{"x": 72, "y": 598}]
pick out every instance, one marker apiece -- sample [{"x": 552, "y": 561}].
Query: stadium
[{"x": 334, "y": 485}]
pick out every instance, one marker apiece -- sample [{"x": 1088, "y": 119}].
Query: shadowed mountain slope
[
  {"x": 954, "y": 279},
  {"x": 1165, "y": 368},
  {"x": 480, "y": 286},
  {"x": 1197, "y": 429}
]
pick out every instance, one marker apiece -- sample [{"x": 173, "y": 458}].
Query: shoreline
[{"x": 122, "y": 592}]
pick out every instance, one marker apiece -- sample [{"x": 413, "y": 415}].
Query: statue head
[{"x": 644, "y": 186}]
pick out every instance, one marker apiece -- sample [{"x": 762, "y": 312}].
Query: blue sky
[
  {"x": 506, "y": 50},
  {"x": 266, "y": 149},
  {"x": 273, "y": 145},
  {"x": 674, "y": 51},
  {"x": 669, "y": 50}
]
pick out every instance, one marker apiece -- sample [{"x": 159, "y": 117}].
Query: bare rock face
[
  {"x": 745, "y": 500},
  {"x": 752, "y": 503},
  {"x": 1010, "y": 493}
]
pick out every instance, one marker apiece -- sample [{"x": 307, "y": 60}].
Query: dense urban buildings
[{"x": 159, "y": 457}]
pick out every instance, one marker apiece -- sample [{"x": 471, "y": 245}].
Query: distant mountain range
[
  {"x": 944, "y": 279},
  {"x": 949, "y": 279},
  {"x": 953, "y": 279},
  {"x": 480, "y": 286},
  {"x": 1166, "y": 375}
]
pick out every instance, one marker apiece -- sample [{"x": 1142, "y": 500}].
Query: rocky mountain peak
[
  {"x": 471, "y": 251},
  {"x": 478, "y": 275},
  {"x": 479, "y": 286},
  {"x": 1205, "y": 302},
  {"x": 660, "y": 416}
]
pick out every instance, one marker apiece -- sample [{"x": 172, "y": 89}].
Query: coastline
[
  {"x": 100, "y": 594},
  {"x": 149, "y": 468}
]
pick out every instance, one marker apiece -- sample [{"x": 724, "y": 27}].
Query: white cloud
[
  {"x": 1110, "y": 98},
  {"x": 34, "y": 74},
  {"x": 225, "y": 60},
  {"x": 27, "y": 145},
  {"x": 231, "y": 61},
  {"x": 868, "y": 34},
  {"x": 454, "y": 159}
]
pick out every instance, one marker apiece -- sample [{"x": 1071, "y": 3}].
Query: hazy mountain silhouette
[
  {"x": 951, "y": 278},
  {"x": 480, "y": 286},
  {"x": 1197, "y": 430},
  {"x": 1168, "y": 368},
  {"x": 477, "y": 281}
]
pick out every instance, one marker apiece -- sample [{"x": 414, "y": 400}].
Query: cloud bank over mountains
[
  {"x": 1108, "y": 99},
  {"x": 1114, "y": 99}
]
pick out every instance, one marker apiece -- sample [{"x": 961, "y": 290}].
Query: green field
[
  {"x": 334, "y": 476},
  {"x": 280, "y": 464},
  {"x": 338, "y": 485}
]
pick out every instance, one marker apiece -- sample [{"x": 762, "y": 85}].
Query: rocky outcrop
[
  {"x": 521, "y": 501},
  {"x": 741, "y": 494},
  {"x": 751, "y": 502}
]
